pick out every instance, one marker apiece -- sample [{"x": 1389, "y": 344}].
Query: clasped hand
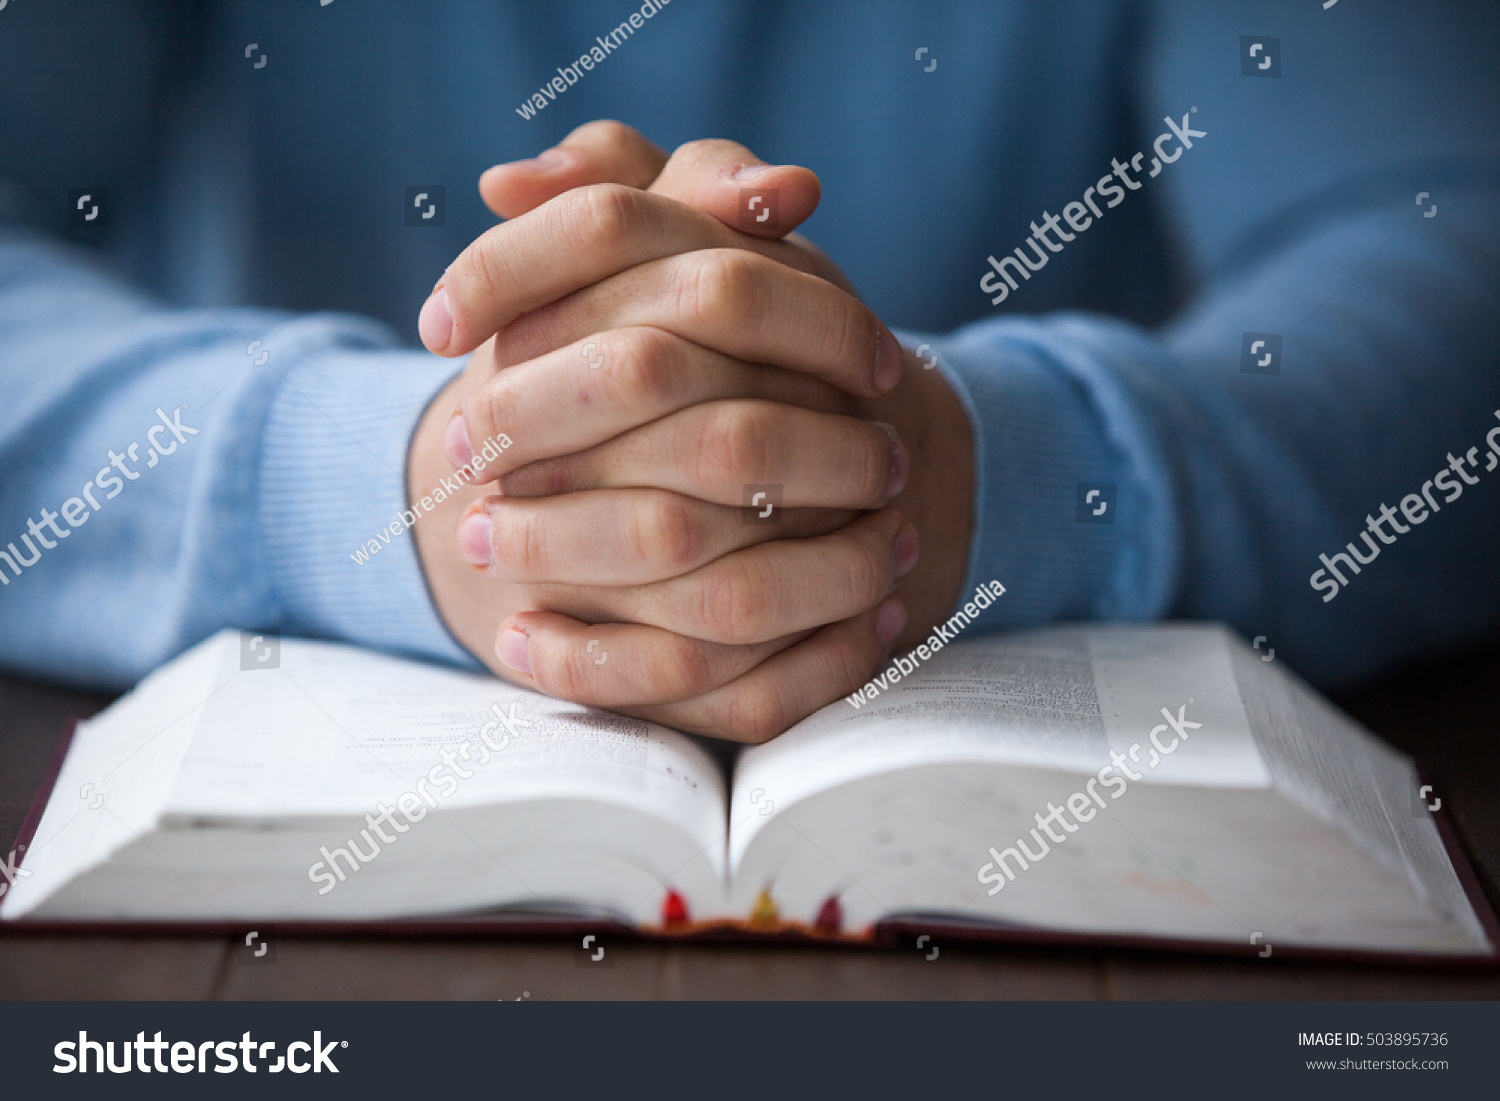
[{"x": 649, "y": 363}]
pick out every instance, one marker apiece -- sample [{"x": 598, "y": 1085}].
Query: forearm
[
  {"x": 1229, "y": 485},
  {"x": 245, "y": 516}
]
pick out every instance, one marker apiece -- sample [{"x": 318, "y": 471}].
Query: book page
[
  {"x": 1147, "y": 677},
  {"x": 1163, "y": 861},
  {"x": 1252, "y": 808},
  {"x": 1326, "y": 763},
  {"x": 116, "y": 775},
  {"x": 335, "y": 730},
  {"x": 214, "y": 750},
  {"x": 1061, "y": 698}
]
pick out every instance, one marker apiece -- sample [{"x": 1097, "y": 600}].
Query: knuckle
[
  {"x": 684, "y": 670},
  {"x": 869, "y": 464},
  {"x": 693, "y": 149},
  {"x": 698, "y": 156},
  {"x": 868, "y": 572},
  {"x": 561, "y": 674},
  {"x": 852, "y": 336},
  {"x": 734, "y": 605},
  {"x": 485, "y": 264},
  {"x": 484, "y": 409},
  {"x": 612, "y": 131},
  {"x": 519, "y": 544},
  {"x": 641, "y": 367},
  {"x": 599, "y": 216},
  {"x": 666, "y": 534},
  {"x": 754, "y": 711},
  {"x": 735, "y": 445},
  {"x": 723, "y": 288},
  {"x": 854, "y": 660}
]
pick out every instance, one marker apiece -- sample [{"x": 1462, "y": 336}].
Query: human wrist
[
  {"x": 331, "y": 482},
  {"x": 1041, "y": 441},
  {"x": 930, "y": 418},
  {"x": 471, "y": 603}
]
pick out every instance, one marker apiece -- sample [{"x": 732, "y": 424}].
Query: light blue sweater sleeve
[
  {"x": 1297, "y": 212},
  {"x": 160, "y": 483}
]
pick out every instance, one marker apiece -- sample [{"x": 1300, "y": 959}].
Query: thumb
[
  {"x": 603, "y": 151},
  {"x": 724, "y": 179}
]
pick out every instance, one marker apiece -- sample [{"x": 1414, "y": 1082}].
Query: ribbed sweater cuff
[
  {"x": 1039, "y": 435},
  {"x": 333, "y": 478}
]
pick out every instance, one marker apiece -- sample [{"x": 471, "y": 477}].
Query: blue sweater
[{"x": 1196, "y": 375}]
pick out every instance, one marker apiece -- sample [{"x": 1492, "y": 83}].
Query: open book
[{"x": 1128, "y": 782}]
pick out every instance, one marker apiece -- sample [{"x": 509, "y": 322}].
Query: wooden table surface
[{"x": 1446, "y": 713}]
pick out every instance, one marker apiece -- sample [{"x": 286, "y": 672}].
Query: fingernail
[
  {"x": 548, "y": 161},
  {"x": 435, "y": 322},
  {"x": 474, "y": 538},
  {"x": 900, "y": 463},
  {"x": 511, "y": 648},
  {"x": 456, "y": 443},
  {"x": 888, "y": 359},
  {"x": 888, "y": 621},
  {"x": 907, "y": 545},
  {"x": 751, "y": 171}
]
